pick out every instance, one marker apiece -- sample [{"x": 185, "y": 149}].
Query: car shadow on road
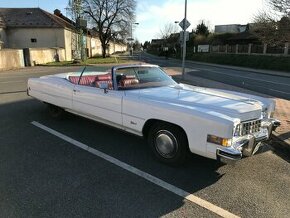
[{"x": 280, "y": 148}]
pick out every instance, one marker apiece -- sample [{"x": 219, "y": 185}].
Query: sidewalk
[{"x": 282, "y": 112}]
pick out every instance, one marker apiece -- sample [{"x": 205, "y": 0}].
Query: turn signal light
[{"x": 219, "y": 140}]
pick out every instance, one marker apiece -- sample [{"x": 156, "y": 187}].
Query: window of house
[{"x": 33, "y": 40}]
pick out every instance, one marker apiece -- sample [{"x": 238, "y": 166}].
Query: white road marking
[
  {"x": 186, "y": 195},
  {"x": 13, "y": 82},
  {"x": 262, "y": 80},
  {"x": 274, "y": 90}
]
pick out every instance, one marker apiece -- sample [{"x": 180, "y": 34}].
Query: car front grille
[{"x": 250, "y": 127}]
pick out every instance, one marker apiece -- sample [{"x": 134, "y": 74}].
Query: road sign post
[{"x": 184, "y": 25}]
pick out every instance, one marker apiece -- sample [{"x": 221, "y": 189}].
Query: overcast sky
[{"x": 153, "y": 15}]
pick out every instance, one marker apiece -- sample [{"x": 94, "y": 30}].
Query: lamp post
[{"x": 131, "y": 49}]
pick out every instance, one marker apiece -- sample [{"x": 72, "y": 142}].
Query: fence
[{"x": 252, "y": 49}]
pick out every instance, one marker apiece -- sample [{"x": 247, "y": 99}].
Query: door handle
[{"x": 76, "y": 90}]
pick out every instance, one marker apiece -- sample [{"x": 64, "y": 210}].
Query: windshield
[{"x": 142, "y": 77}]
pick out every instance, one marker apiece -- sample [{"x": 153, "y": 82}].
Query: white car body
[{"x": 200, "y": 112}]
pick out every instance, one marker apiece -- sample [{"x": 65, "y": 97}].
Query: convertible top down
[{"x": 174, "y": 118}]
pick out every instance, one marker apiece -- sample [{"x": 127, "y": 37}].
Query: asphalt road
[
  {"x": 276, "y": 86},
  {"x": 42, "y": 175}
]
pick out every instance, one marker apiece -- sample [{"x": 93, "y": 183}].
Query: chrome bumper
[{"x": 247, "y": 146}]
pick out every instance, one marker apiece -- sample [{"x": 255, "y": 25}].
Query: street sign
[
  {"x": 186, "y": 24},
  {"x": 181, "y": 36},
  {"x": 130, "y": 39}
]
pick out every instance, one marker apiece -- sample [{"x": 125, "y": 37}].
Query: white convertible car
[{"x": 175, "y": 119}]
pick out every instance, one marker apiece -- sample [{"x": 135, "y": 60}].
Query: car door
[{"x": 98, "y": 104}]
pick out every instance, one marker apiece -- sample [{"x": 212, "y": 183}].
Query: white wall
[
  {"x": 68, "y": 44},
  {"x": 96, "y": 47},
  {"x": 11, "y": 58},
  {"x": 46, "y": 37},
  {"x": 45, "y": 55},
  {"x": 117, "y": 48}
]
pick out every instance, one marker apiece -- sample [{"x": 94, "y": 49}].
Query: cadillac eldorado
[{"x": 174, "y": 118}]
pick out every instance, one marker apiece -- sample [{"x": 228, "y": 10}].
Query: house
[
  {"x": 36, "y": 28},
  {"x": 44, "y": 37},
  {"x": 230, "y": 28},
  {"x": 157, "y": 42}
]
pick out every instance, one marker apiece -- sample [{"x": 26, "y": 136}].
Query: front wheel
[{"x": 168, "y": 143}]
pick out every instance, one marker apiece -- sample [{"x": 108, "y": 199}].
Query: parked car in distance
[{"x": 174, "y": 118}]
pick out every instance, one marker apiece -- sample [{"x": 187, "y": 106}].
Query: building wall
[
  {"x": 118, "y": 48},
  {"x": 68, "y": 44},
  {"x": 11, "y": 58},
  {"x": 96, "y": 47},
  {"x": 46, "y": 55},
  {"x": 3, "y": 37},
  {"x": 231, "y": 28},
  {"x": 45, "y": 37}
]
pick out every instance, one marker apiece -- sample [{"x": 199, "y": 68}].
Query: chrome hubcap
[{"x": 166, "y": 144}]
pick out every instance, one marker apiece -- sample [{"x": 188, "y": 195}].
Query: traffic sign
[
  {"x": 186, "y": 24},
  {"x": 181, "y": 36}
]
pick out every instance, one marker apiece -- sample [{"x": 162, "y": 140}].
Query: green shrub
[{"x": 252, "y": 61}]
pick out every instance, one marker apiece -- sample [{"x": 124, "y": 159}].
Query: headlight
[
  {"x": 237, "y": 130},
  {"x": 219, "y": 140}
]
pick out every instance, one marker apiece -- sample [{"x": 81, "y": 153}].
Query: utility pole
[
  {"x": 184, "y": 41},
  {"x": 76, "y": 6},
  {"x": 132, "y": 39}
]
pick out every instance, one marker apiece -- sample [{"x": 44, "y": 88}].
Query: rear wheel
[
  {"x": 168, "y": 143},
  {"x": 55, "y": 112}
]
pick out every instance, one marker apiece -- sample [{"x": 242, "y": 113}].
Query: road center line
[
  {"x": 245, "y": 77},
  {"x": 186, "y": 195}
]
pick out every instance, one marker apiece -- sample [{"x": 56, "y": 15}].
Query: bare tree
[
  {"x": 273, "y": 26},
  {"x": 282, "y": 6},
  {"x": 167, "y": 30},
  {"x": 108, "y": 17}
]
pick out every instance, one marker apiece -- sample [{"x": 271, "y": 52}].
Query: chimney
[{"x": 57, "y": 12}]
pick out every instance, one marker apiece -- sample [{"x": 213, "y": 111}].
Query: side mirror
[{"x": 104, "y": 85}]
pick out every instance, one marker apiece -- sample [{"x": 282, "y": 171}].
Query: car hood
[{"x": 209, "y": 100}]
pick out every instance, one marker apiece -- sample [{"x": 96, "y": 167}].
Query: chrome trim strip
[{"x": 228, "y": 154}]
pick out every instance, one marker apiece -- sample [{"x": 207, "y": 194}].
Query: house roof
[{"x": 31, "y": 17}]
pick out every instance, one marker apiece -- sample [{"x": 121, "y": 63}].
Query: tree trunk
[{"x": 104, "y": 51}]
